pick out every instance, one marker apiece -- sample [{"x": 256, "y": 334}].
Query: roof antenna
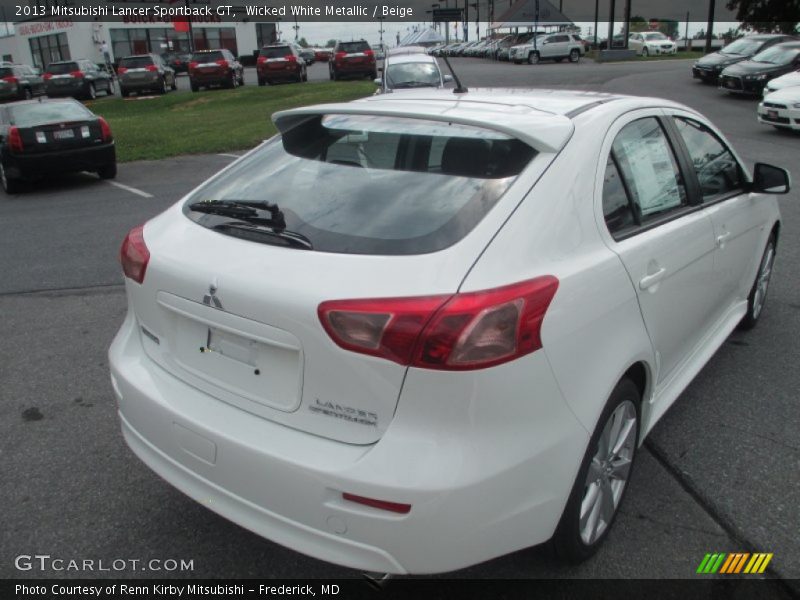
[{"x": 460, "y": 89}]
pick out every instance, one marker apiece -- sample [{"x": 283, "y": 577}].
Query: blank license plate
[
  {"x": 772, "y": 114},
  {"x": 64, "y": 134}
]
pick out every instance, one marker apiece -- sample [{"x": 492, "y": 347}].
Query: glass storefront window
[{"x": 49, "y": 48}]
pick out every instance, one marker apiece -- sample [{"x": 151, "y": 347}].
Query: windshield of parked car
[
  {"x": 353, "y": 47},
  {"x": 207, "y": 57},
  {"x": 276, "y": 52},
  {"x": 744, "y": 46},
  {"x": 62, "y": 68},
  {"x": 654, "y": 36},
  {"x": 40, "y": 113},
  {"x": 359, "y": 184},
  {"x": 777, "y": 55},
  {"x": 136, "y": 62},
  {"x": 406, "y": 75}
]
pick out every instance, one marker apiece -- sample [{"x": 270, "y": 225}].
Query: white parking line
[
  {"x": 231, "y": 155},
  {"x": 130, "y": 189}
]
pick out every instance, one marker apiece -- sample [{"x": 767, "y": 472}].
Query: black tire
[
  {"x": 110, "y": 88},
  {"x": 123, "y": 92},
  {"x": 27, "y": 94},
  {"x": 174, "y": 86},
  {"x": 333, "y": 75},
  {"x": 305, "y": 75},
  {"x": 91, "y": 91},
  {"x": 241, "y": 79},
  {"x": 534, "y": 58},
  {"x": 568, "y": 541},
  {"x": 194, "y": 86},
  {"x": 10, "y": 185},
  {"x": 758, "y": 293},
  {"x": 574, "y": 55},
  {"x": 108, "y": 172},
  {"x": 163, "y": 89},
  {"x": 645, "y": 52}
]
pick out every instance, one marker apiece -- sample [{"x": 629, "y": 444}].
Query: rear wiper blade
[
  {"x": 291, "y": 238},
  {"x": 242, "y": 209}
]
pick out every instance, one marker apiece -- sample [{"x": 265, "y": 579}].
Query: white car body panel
[
  {"x": 467, "y": 450},
  {"x": 781, "y": 108},
  {"x": 789, "y": 80}
]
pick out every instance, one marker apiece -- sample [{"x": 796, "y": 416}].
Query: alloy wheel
[{"x": 762, "y": 283}]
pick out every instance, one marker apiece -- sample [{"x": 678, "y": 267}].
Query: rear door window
[{"x": 360, "y": 184}]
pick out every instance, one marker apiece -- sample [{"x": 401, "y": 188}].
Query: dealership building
[{"x": 40, "y": 42}]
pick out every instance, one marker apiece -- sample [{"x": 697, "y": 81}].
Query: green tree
[
  {"x": 668, "y": 28},
  {"x": 767, "y": 15},
  {"x": 302, "y": 42},
  {"x": 638, "y": 23},
  {"x": 330, "y": 44}
]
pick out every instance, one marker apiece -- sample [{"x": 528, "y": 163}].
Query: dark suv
[
  {"x": 215, "y": 68},
  {"x": 77, "y": 78},
  {"x": 353, "y": 58},
  {"x": 145, "y": 72},
  {"x": 280, "y": 62},
  {"x": 18, "y": 82}
]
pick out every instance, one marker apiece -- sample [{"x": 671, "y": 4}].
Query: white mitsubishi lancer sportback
[{"x": 418, "y": 331}]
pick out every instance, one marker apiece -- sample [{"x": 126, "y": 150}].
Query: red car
[
  {"x": 280, "y": 62},
  {"x": 215, "y": 68},
  {"x": 322, "y": 54},
  {"x": 353, "y": 58}
]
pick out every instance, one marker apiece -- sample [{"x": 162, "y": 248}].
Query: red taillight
[
  {"x": 222, "y": 63},
  {"x": 134, "y": 255},
  {"x": 11, "y": 79},
  {"x": 77, "y": 74},
  {"x": 395, "y": 507},
  {"x": 47, "y": 76},
  {"x": 105, "y": 130},
  {"x": 290, "y": 58},
  {"x": 15, "y": 140},
  {"x": 193, "y": 64},
  {"x": 261, "y": 60},
  {"x": 151, "y": 68},
  {"x": 369, "y": 54},
  {"x": 465, "y": 331},
  {"x": 122, "y": 70},
  {"x": 339, "y": 55}
]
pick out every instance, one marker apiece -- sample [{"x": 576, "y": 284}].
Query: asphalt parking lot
[{"x": 720, "y": 473}]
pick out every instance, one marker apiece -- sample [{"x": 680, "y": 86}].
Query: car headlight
[{"x": 760, "y": 77}]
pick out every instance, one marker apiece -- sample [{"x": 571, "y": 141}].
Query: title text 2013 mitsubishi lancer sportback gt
[{"x": 409, "y": 334}]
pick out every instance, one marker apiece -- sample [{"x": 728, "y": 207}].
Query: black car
[
  {"x": 18, "y": 82},
  {"x": 77, "y": 78},
  {"x": 43, "y": 137},
  {"x": 177, "y": 61},
  {"x": 710, "y": 66},
  {"x": 751, "y": 76}
]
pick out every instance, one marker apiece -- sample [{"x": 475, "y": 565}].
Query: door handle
[
  {"x": 650, "y": 280},
  {"x": 721, "y": 239}
]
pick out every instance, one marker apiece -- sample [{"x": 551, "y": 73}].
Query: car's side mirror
[
  {"x": 771, "y": 180},
  {"x": 378, "y": 81},
  {"x": 448, "y": 78}
]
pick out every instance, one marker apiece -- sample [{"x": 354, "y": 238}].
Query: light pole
[
  {"x": 296, "y": 28},
  {"x": 710, "y": 28},
  {"x": 477, "y": 8},
  {"x": 381, "y": 30}
]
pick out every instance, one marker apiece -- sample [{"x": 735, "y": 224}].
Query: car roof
[
  {"x": 402, "y": 50},
  {"x": 788, "y": 45},
  {"x": 409, "y": 58},
  {"x": 542, "y": 118}
]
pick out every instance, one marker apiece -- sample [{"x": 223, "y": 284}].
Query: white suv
[
  {"x": 418, "y": 331},
  {"x": 556, "y": 46}
]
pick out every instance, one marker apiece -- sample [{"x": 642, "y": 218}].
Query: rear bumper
[
  {"x": 357, "y": 69},
  {"x": 64, "y": 161},
  {"x": 71, "y": 89},
  {"x": 135, "y": 85},
  {"x": 210, "y": 79},
  {"x": 287, "y": 72},
  {"x": 485, "y": 474}
]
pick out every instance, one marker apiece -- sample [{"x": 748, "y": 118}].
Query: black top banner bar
[{"x": 521, "y": 11}]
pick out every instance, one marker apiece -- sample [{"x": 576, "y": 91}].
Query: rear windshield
[
  {"x": 374, "y": 185},
  {"x": 351, "y": 47},
  {"x": 62, "y": 68},
  {"x": 136, "y": 62},
  {"x": 41, "y": 113},
  {"x": 6, "y": 71},
  {"x": 212, "y": 56},
  {"x": 276, "y": 52}
]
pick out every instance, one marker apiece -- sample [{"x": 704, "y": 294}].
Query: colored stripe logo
[{"x": 734, "y": 563}]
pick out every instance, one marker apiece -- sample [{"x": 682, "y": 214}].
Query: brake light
[
  {"x": 134, "y": 255},
  {"x": 465, "y": 331},
  {"x": 222, "y": 63},
  {"x": 11, "y": 79},
  {"x": 77, "y": 74},
  {"x": 339, "y": 55},
  {"x": 290, "y": 58},
  {"x": 47, "y": 76},
  {"x": 122, "y": 70},
  {"x": 193, "y": 64},
  {"x": 105, "y": 130},
  {"x": 370, "y": 54},
  {"x": 261, "y": 60},
  {"x": 395, "y": 507},
  {"x": 151, "y": 68},
  {"x": 15, "y": 140}
]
